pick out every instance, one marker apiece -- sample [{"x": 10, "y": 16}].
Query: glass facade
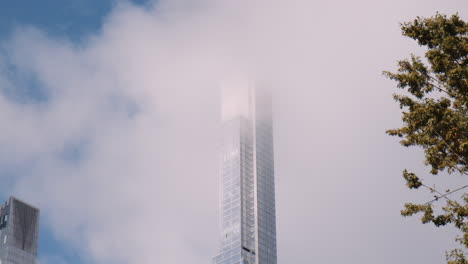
[
  {"x": 265, "y": 184},
  {"x": 247, "y": 197},
  {"x": 19, "y": 225}
]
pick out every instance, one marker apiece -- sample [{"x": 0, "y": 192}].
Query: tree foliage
[{"x": 435, "y": 117}]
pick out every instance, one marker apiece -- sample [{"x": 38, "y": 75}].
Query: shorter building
[{"x": 19, "y": 228}]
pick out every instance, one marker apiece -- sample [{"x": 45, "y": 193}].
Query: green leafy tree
[{"x": 435, "y": 118}]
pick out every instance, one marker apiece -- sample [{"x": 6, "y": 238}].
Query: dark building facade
[{"x": 19, "y": 228}]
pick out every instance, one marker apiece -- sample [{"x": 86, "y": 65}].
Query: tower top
[{"x": 236, "y": 97}]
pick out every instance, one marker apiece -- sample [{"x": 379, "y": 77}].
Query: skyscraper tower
[
  {"x": 19, "y": 225},
  {"x": 247, "y": 197}
]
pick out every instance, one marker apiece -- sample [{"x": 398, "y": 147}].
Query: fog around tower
[
  {"x": 116, "y": 137},
  {"x": 235, "y": 93}
]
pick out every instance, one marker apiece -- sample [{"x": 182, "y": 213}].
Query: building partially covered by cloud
[{"x": 247, "y": 197}]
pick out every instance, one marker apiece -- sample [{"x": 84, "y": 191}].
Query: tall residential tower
[
  {"x": 247, "y": 197},
  {"x": 19, "y": 225}
]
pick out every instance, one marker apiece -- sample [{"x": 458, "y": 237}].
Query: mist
[{"x": 116, "y": 137}]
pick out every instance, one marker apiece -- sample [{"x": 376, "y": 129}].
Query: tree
[{"x": 435, "y": 118}]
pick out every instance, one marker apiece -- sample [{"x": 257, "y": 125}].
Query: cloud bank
[{"x": 116, "y": 138}]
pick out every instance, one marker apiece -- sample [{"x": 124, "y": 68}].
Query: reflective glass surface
[
  {"x": 247, "y": 197},
  {"x": 18, "y": 232}
]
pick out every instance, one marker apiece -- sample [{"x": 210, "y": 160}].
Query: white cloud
[{"x": 122, "y": 156}]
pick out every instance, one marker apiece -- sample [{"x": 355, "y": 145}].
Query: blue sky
[
  {"x": 69, "y": 19},
  {"x": 73, "y": 19}
]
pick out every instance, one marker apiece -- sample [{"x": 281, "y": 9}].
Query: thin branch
[
  {"x": 440, "y": 88},
  {"x": 453, "y": 151},
  {"x": 443, "y": 196},
  {"x": 434, "y": 190}
]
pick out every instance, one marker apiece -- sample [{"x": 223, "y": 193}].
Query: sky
[{"x": 110, "y": 116}]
